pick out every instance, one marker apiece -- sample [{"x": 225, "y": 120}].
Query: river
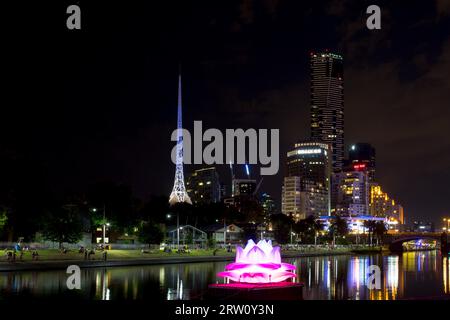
[{"x": 408, "y": 275}]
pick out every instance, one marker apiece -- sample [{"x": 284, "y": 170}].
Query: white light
[{"x": 309, "y": 151}]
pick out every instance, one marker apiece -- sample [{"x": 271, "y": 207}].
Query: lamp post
[
  {"x": 178, "y": 229},
  {"x": 178, "y": 232},
  {"x": 447, "y": 220},
  {"x": 224, "y": 233},
  {"x": 104, "y": 223}
]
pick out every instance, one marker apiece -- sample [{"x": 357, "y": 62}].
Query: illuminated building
[
  {"x": 350, "y": 191},
  {"x": 327, "y": 104},
  {"x": 422, "y": 226},
  {"x": 243, "y": 187},
  {"x": 268, "y": 204},
  {"x": 307, "y": 183},
  {"x": 355, "y": 224},
  {"x": 203, "y": 186},
  {"x": 381, "y": 205},
  {"x": 290, "y": 198},
  {"x": 363, "y": 153}
]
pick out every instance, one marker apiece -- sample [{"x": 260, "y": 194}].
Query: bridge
[{"x": 396, "y": 240}]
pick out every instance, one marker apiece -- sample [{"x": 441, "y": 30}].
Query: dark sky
[{"x": 100, "y": 103}]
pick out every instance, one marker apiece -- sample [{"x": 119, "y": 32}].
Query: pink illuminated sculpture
[{"x": 258, "y": 263}]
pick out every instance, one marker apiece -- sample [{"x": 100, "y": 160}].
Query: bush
[
  {"x": 212, "y": 242},
  {"x": 151, "y": 233}
]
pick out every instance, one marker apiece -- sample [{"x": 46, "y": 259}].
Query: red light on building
[{"x": 359, "y": 166}]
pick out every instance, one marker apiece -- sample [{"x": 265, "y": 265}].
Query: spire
[
  {"x": 179, "y": 193},
  {"x": 180, "y": 115}
]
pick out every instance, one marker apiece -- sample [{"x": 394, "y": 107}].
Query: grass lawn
[
  {"x": 55, "y": 254},
  {"x": 117, "y": 254}
]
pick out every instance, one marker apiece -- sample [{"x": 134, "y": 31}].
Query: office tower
[
  {"x": 268, "y": 204},
  {"x": 309, "y": 161},
  {"x": 243, "y": 187},
  {"x": 327, "y": 104},
  {"x": 381, "y": 205},
  {"x": 350, "y": 191},
  {"x": 290, "y": 198},
  {"x": 203, "y": 186},
  {"x": 363, "y": 153}
]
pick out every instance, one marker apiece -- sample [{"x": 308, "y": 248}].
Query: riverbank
[{"x": 121, "y": 258}]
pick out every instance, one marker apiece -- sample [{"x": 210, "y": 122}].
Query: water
[{"x": 409, "y": 275}]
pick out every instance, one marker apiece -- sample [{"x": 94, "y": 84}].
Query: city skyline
[
  {"x": 247, "y": 70},
  {"x": 224, "y": 158}
]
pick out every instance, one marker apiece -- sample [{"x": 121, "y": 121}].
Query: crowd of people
[{"x": 18, "y": 251}]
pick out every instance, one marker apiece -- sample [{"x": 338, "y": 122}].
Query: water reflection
[
  {"x": 412, "y": 274},
  {"x": 445, "y": 274}
]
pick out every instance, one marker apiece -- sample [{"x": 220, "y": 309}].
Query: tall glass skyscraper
[{"x": 327, "y": 104}]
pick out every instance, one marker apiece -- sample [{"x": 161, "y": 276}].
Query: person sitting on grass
[
  {"x": 8, "y": 254},
  {"x": 167, "y": 250},
  {"x": 91, "y": 252},
  {"x": 34, "y": 255}
]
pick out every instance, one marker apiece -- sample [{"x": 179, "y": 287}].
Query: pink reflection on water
[{"x": 258, "y": 263}]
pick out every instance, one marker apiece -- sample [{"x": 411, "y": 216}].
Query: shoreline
[{"x": 63, "y": 264}]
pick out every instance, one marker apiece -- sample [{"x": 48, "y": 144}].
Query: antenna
[{"x": 232, "y": 178}]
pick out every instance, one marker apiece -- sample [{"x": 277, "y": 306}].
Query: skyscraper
[
  {"x": 179, "y": 193},
  {"x": 381, "y": 205},
  {"x": 307, "y": 184},
  {"x": 350, "y": 191},
  {"x": 363, "y": 153},
  {"x": 291, "y": 199},
  {"x": 203, "y": 185},
  {"x": 327, "y": 103}
]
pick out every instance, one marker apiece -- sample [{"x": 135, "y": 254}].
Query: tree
[
  {"x": 151, "y": 233},
  {"x": 155, "y": 209},
  {"x": 63, "y": 225},
  {"x": 308, "y": 229},
  {"x": 119, "y": 203},
  {"x": 3, "y": 219},
  {"x": 282, "y": 226},
  {"x": 212, "y": 242},
  {"x": 380, "y": 230},
  {"x": 370, "y": 225},
  {"x": 338, "y": 228},
  {"x": 24, "y": 193}
]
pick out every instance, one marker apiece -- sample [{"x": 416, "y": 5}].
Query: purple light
[{"x": 258, "y": 263}]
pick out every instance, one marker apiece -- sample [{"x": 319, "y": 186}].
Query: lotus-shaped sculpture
[{"x": 258, "y": 263}]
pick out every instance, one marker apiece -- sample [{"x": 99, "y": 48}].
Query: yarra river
[{"x": 410, "y": 275}]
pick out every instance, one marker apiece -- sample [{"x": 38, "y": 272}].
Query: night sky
[{"x": 100, "y": 103}]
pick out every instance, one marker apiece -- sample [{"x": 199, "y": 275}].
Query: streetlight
[
  {"x": 447, "y": 220},
  {"x": 103, "y": 222},
  {"x": 178, "y": 229}
]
